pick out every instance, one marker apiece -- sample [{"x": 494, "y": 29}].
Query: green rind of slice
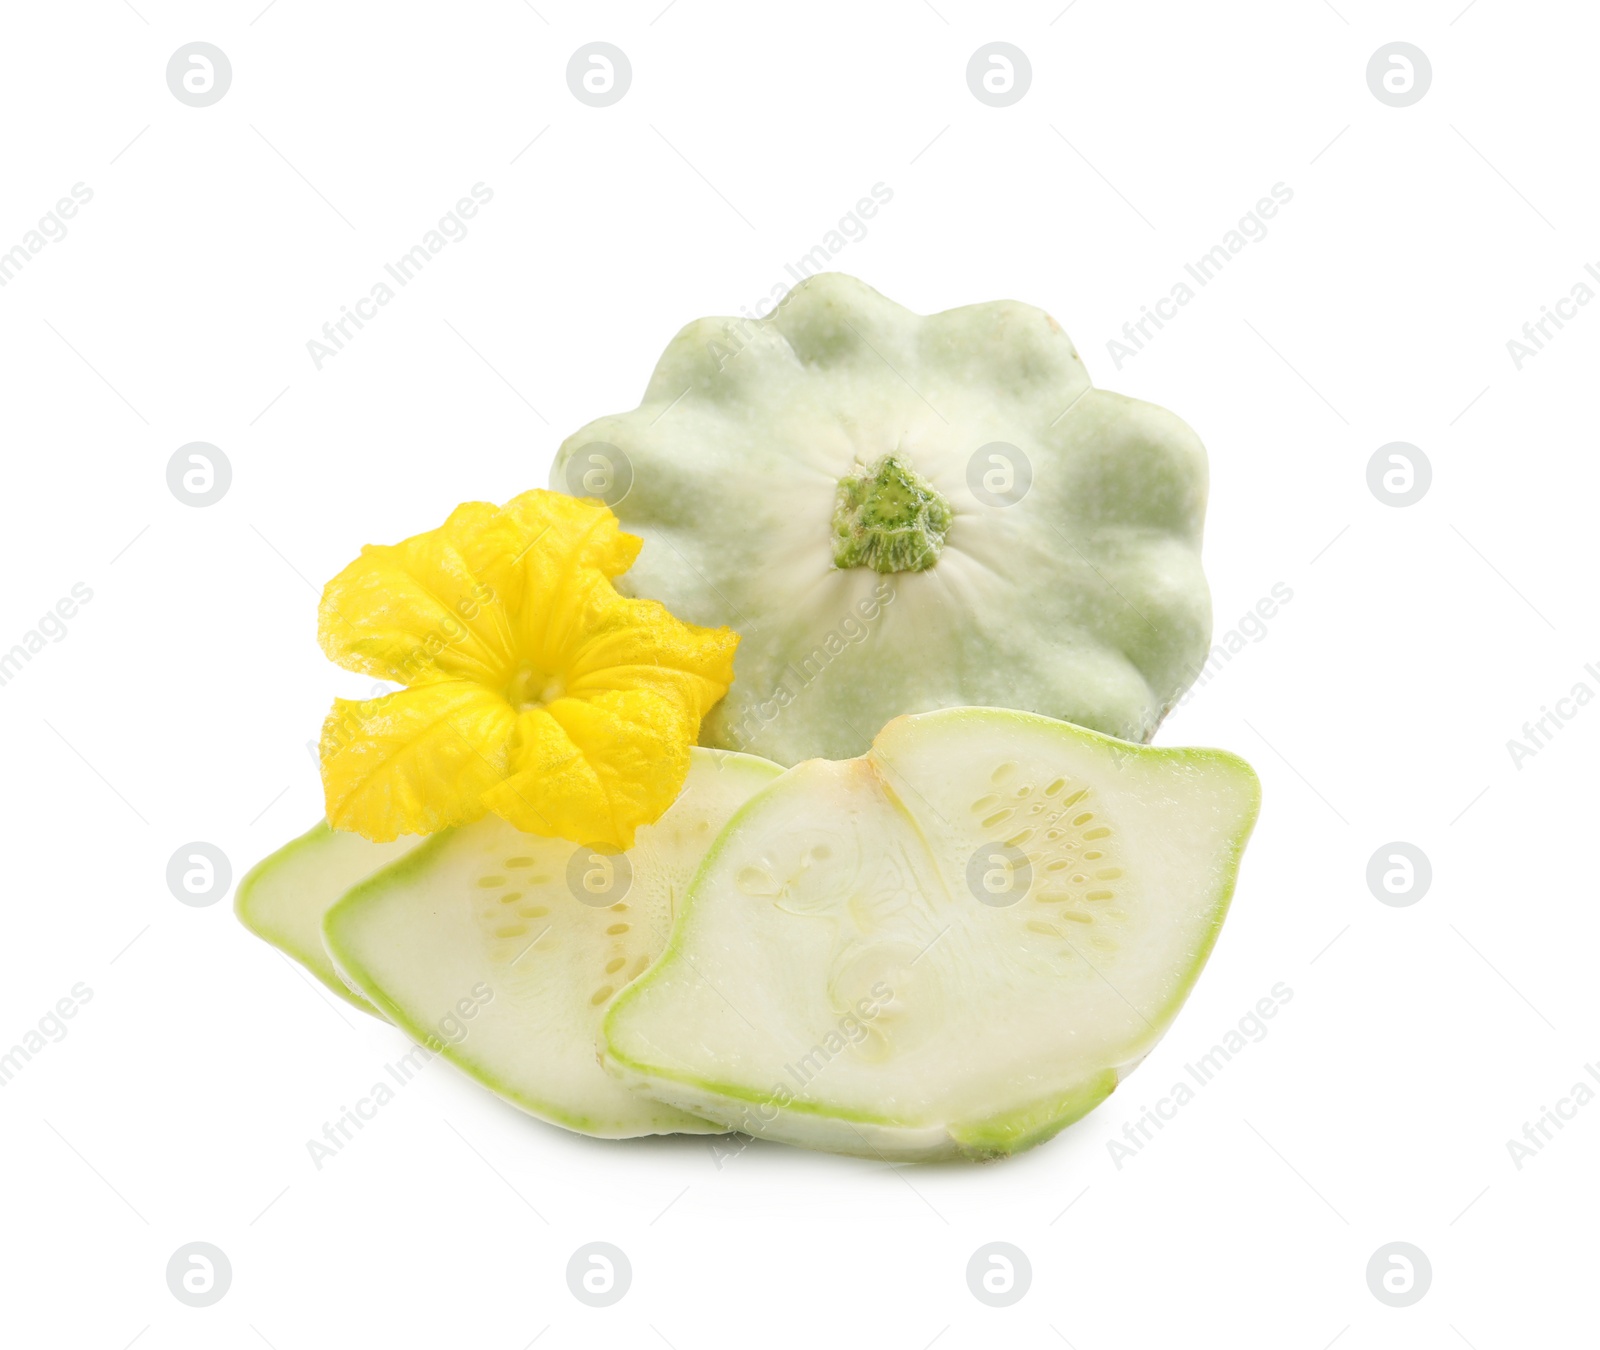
[
  {"x": 841, "y": 976},
  {"x": 999, "y": 1136},
  {"x": 283, "y": 898},
  {"x": 502, "y": 950}
]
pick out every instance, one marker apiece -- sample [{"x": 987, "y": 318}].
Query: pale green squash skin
[{"x": 1085, "y": 600}]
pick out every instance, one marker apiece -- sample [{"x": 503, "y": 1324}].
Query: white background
[{"x": 1378, "y": 706}]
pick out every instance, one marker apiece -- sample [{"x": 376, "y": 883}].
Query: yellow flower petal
[
  {"x": 638, "y": 644},
  {"x": 415, "y": 761},
  {"x": 559, "y": 538},
  {"x": 425, "y": 609},
  {"x": 595, "y": 769}
]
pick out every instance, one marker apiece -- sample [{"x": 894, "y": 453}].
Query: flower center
[
  {"x": 532, "y": 687},
  {"x": 888, "y": 517}
]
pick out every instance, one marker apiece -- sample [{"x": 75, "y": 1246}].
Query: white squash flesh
[
  {"x": 284, "y": 897},
  {"x": 479, "y": 946},
  {"x": 842, "y": 977}
]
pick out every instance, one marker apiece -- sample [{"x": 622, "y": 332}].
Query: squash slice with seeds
[
  {"x": 502, "y": 950},
  {"x": 954, "y": 945}
]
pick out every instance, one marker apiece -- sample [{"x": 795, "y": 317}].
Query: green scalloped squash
[{"x": 901, "y": 513}]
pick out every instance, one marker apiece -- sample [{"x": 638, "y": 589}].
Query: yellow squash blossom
[{"x": 533, "y": 689}]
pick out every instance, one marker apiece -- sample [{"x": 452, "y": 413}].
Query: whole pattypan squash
[{"x": 901, "y": 513}]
